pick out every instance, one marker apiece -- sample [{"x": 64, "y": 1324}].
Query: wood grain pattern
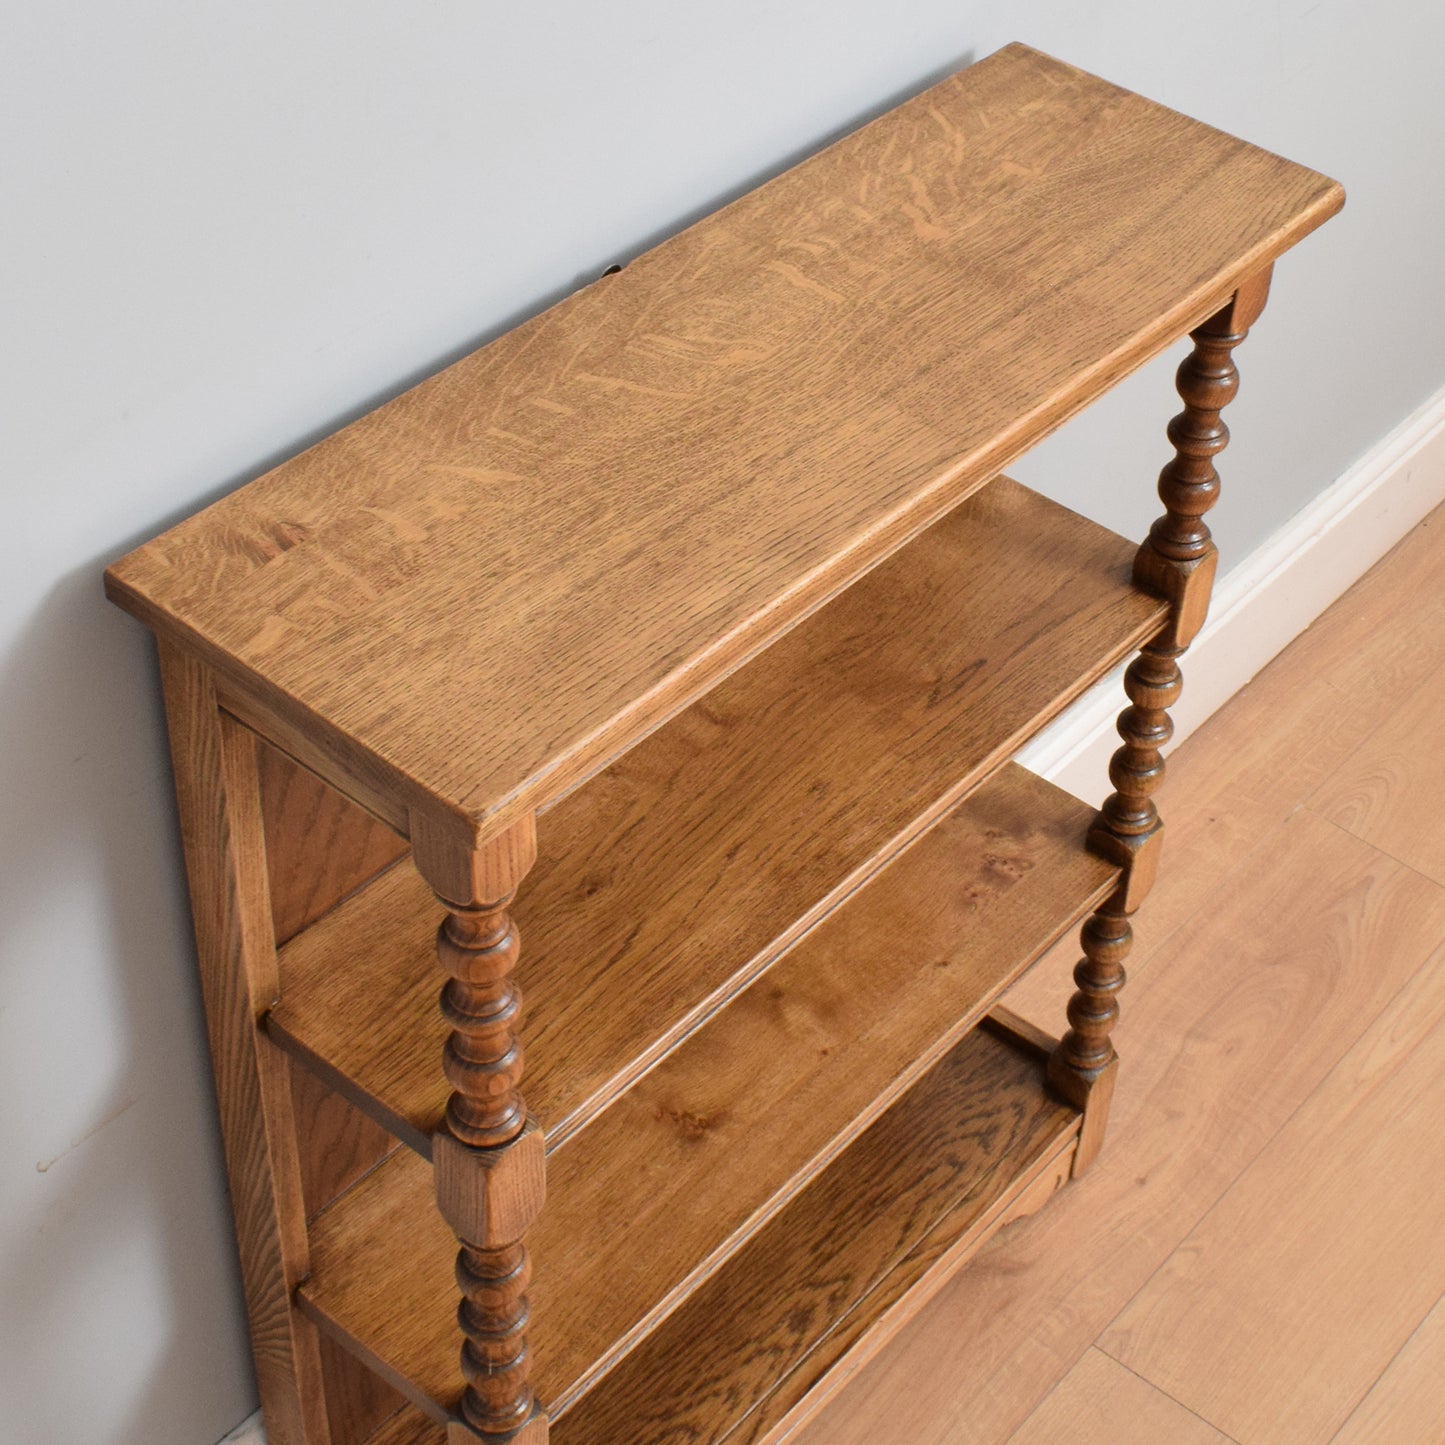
[
  {"x": 319, "y": 846},
  {"x": 1405, "y": 1402},
  {"x": 359, "y": 1403},
  {"x": 1332, "y": 932},
  {"x": 1099, "y": 1402},
  {"x": 451, "y": 614},
  {"x": 702, "y": 1151},
  {"x": 678, "y": 874},
  {"x": 1391, "y": 792},
  {"x": 602, "y": 513},
  {"x": 1346, "y": 1271},
  {"x": 908, "y": 1288},
  {"x": 218, "y": 798},
  {"x": 705, "y": 1147},
  {"x": 409, "y": 1427},
  {"x": 336, "y": 1143},
  {"x": 949, "y": 1151}
]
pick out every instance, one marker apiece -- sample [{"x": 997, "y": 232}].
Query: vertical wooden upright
[
  {"x": 218, "y": 796},
  {"x": 1177, "y": 561},
  {"x": 489, "y": 1155}
]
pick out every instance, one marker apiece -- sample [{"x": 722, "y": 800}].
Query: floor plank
[
  {"x": 1407, "y": 1402},
  {"x": 1332, "y": 931},
  {"x": 1391, "y": 792},
  {"x": 1275, "y": 1316},
  {"x": 1099, "y": 1402}
]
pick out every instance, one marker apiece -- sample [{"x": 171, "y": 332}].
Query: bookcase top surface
[{"x": 479, "y": 592}]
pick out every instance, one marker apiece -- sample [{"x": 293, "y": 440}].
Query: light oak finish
[
  {"x": 1344, "y": 1268},
  {"x": 991, "y": 1089},
  {"x": 709, "y": 564},
  {"x": 336, "y": 1143},
  {"x": 1405, "y": 1403},
  {"x": 1099, "y": 1402},
  {"x": 358, "y": 1401},
  {"x": 861, "y": 315},
  {"x": 706, "y": 1148},
  {"x": 319, "y": 846},
  {"x": 1391, "y": 792},
  {"x": 218, "y": 798},
  {"x": 677, "y": 875}
]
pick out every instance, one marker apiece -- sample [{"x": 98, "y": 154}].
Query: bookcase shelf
[
  {"x": 672, "y": 879},
  {"x": 947, "y": 1160},
  {"x": 704, "y": 1149},
  {"x": 594, "y": 768}
]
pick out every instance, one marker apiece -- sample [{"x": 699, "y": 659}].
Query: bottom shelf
[
  {"x": 809, "y": 1298},
  {"x": 408, "y": 1427},
  {"x": 976, "y": 1141}
]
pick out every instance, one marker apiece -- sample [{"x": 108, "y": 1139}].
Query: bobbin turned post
[
  {"x": 488, "y": 1155},
  {"x": 1176, "y": 561}
]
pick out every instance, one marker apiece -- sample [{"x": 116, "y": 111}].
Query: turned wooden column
[
  {"x": 489, "y": 1155},
  {"x": 1177, "y": 561}
]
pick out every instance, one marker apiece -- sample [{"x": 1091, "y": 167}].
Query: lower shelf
[
  {"x": 975, "y": 1141},
  {"x": 409, "y": 1426}
]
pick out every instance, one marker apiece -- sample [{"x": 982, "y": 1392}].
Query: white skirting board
[
  {"x": 1259, "y": 608},
  {"x": 1270, "y": 598},
  {"x": 249, "y": 1432}
]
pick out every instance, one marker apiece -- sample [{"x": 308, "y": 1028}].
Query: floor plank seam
[
  {"x": 1153, "y": 1385},
  {"x": 1049, "y": 1393},
  {"x": 1364, "y": 1026},
  {"x": 1375, "y": 847},
  {"x": 1238, "y": 863},
  {"x": 1388, "y": 1366}
]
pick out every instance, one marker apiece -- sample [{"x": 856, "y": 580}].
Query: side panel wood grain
[
  {"x": 320, "y": 846},
  {"x": 217, "y": 790}
]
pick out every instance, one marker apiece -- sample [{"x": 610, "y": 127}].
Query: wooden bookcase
[{"x": 664, "y": 660}]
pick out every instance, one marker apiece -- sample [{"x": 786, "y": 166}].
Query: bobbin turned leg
[
  {"x": 488, "y": 1155},
  {"x": 1177, "y": 561}
]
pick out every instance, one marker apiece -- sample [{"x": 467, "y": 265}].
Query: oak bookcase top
[{"x": 480, "y": 592}]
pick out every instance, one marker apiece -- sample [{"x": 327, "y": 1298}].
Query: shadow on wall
[{"x": 112, "y": 1066}]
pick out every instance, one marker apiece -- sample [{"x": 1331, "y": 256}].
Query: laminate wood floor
[{"x": 1259, "y": 1254}]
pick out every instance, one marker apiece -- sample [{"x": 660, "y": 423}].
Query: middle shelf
[
  {"x": 708, "y": 1150},
  {"x": 671, "y": 880}
]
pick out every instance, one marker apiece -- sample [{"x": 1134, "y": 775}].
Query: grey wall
[{"x": 229, "y": 228}]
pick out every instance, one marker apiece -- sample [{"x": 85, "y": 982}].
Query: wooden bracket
[
  {"x": 491, "y": 1196},
  {"x": 1186, "y": 586},
  {"x": 1095, "y": 1104},
  {"x": 472, "y": 876},
  {"x": 1248, "y": 302},
  {"x": 1138, "y": 856}
]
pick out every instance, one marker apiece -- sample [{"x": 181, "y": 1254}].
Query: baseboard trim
[
  {"x": 1265, "y": 602},
  {"x": 249, "y": 1432}
]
